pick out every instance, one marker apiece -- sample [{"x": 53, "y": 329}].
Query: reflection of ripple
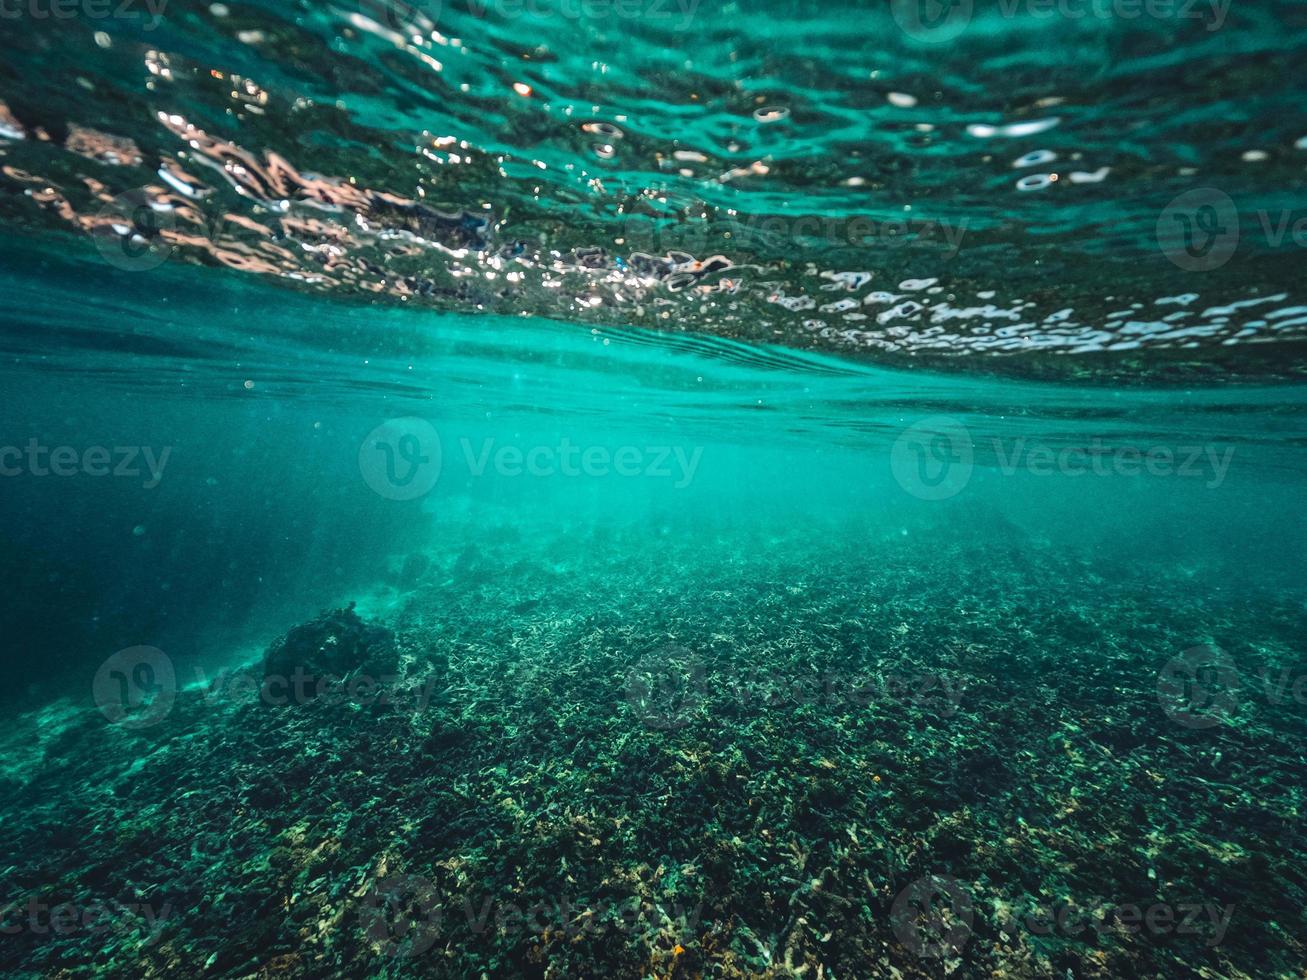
[{"x": 638, "y": 172}]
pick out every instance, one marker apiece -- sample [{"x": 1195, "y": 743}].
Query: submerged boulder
[{"x": 336, "y": 645}]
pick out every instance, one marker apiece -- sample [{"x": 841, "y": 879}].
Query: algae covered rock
[{"x": 336, "y": 645}]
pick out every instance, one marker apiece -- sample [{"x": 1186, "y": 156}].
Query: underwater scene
[{"x": 653, "y": 489}]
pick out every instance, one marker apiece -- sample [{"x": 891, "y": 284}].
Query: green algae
[{"x": 733, "y": 768}]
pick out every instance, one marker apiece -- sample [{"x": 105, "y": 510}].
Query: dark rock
[{"x": 337, "y": 644}]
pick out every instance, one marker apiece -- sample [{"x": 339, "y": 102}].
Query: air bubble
[
  {"x": 1034, "y": 158},
  {"x": 1036, "y": 182},
  {"x": 604, "y": 129}
]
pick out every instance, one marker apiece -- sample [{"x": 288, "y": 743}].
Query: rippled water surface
[{"x": 842, "y": 177}]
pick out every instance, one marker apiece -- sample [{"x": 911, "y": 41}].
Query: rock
[{"x": 337, "y": 644}]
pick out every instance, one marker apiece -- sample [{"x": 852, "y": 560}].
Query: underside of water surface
[{"x": 642, "y": 489}]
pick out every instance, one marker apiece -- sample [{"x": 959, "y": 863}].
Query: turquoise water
[{"x": 794, "y": 533}]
